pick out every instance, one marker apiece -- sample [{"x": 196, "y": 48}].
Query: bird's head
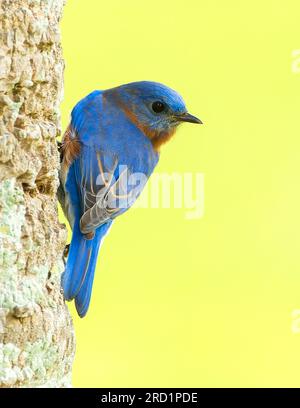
[{"x": 156, "y": 109}]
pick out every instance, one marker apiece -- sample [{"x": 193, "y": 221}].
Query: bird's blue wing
[{"x": 107, "y": 188}]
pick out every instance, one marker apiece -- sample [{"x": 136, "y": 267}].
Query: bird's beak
[{"x": 187, "y": 117}]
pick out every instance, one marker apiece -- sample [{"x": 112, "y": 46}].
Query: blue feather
[
  {"x": 80, "y": 268},
  {"x": 82, "y": 299}
]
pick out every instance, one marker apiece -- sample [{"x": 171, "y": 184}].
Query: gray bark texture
[{"x": 36, "y": 333}]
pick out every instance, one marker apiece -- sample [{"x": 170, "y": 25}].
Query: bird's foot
[
  {"x": 66, "y": 251},
  {"x": 60, "y": 149},
  {"x": 59, "y": 145}
]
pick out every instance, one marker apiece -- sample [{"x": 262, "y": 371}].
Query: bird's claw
[{"x": 66, "y": 251}]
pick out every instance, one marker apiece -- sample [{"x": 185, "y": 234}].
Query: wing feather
[{"x": 103, "y": 186}]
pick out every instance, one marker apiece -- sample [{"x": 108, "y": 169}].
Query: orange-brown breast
[{"x": 70, "y": 147}]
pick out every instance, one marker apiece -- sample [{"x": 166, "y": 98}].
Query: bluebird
[{"x": 108, "y": 153}]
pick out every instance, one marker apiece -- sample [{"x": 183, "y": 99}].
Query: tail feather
[
  {"x": 77, "y": 264},
  {"x": 83, "y": 297},
  {"x": 78, "y": 277}
]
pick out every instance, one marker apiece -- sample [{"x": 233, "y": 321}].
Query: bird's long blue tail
[{"x": 77, "y": 280}]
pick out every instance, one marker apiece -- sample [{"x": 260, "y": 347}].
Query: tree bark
[{"x": 36, "y": 332}]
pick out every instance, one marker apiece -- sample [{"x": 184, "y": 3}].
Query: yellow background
[{"x": 203, "y": 302}]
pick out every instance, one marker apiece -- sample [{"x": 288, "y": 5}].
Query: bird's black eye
[{"x": 158, "y": 107}]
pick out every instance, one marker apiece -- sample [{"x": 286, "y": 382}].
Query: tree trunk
[{"x": 36, "y": 332}]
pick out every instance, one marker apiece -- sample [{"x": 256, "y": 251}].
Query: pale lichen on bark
[{"x": 36, "y": 332}]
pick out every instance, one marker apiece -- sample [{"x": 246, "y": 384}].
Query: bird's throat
[{"x": 161, "y": 138}]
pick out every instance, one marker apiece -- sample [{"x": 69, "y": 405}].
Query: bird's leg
[
  {"x": 66, "y": 251},
  {"x": 60, "y": 149}
]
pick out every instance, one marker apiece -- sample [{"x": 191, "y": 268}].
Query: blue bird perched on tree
[{"x": 108, "y": 152}]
